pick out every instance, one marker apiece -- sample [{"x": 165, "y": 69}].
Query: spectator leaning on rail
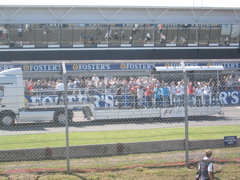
[
  {"x": 215, "y": 93},
  {"x": 205, "y": 168},
  {"x": 140, "y": 93},
  {"x": 133, "y": 94},
  {"x": 95, "y": 78},
  {"x": 165, "y": 94},
  {"x": 199, "y": 95},
  {"x": 148, "y": 95},
  {"x": 119, "y": 96},
  {"x": 172, "y": 94},
  {"x": 60, "y": 88},
  {"x": 190, "y": 91},
  {"x": 206, "y": 94},
  {"x": 157, "y": 96},
  {"x": 179, "y": 94}
]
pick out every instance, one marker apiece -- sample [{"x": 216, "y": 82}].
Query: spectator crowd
[{"x": 142, "y": 92}]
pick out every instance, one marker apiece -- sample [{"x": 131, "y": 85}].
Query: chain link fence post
[
  {"x": 65, "y": 77},
  {"x": 186, "y": 118}
]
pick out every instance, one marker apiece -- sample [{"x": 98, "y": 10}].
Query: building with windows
[{"x": 110, "y": 30}]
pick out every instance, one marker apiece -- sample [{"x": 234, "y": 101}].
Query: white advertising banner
[{"x": 172, "y": 112}]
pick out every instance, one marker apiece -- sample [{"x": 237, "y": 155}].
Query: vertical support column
[
  {"x": 186, "y": 117},
  {"x": 66, "y": 116}
]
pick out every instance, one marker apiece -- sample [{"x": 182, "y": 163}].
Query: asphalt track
[{"x": 79, "y": 124}]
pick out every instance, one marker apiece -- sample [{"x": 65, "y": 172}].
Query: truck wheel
[
  {"x": 60, "y": 118},
  {"x": 7, "y": 120}
]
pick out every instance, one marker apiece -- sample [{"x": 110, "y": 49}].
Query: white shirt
[
  {"x": 148, "y": 35},
  {"x": 140, "y": 93},
  {"x": 60, "y": 87},
  {"x": 75, "y": 83},
  {"x": 173, "y": 90},
  {"x": 95, "y": 79},
  {"x": 70, "y": 85},
  {"x": 198, "y": 92},
  {"x": 180, "y": 90},
  {"x": 19, "y": 30},
  {"x": 5, "y": 31},
  {"x": 206, "y": 90}
]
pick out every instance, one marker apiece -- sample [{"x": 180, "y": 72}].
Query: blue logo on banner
[
  {"x": 229, "y": 97},
  {"x": 99, "y": 100},
  {"x": 126, "y": 66},
  {"x": 109, "y": 100}
]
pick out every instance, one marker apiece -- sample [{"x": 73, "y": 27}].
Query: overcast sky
[{"x": 112, "y": 3}]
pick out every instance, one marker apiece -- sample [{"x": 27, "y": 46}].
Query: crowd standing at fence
[{"x": 143, "y": 92}]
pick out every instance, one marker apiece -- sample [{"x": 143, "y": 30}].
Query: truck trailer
[{"x": 16, "y": 107}]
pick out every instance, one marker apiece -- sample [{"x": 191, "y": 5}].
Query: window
[
  {"x": 41, "y": 35},
  {"x": 160, "y": 35},
  {"x": 193, "y": 36},
  {"x": 214, "y": 35},
  {"x": 79, "y": 35},
  {"x": 54, "y": 35},
  {"x": 183, "y": 31},
  {"x": 204, "y": 35},
  {"x": 115, "y": 33},
  {"x": 235, "y": 35},
  {"x": 172, "y": 35},
  {"x": 225, "y": 35},
  {"x": 15, "y": 36},
  {"x": 66, "y": 35}
]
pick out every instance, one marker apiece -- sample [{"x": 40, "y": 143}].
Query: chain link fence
[{"x": 116, "y": 115}]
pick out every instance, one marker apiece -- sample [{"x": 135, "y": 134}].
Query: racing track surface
[{"x": 230, "y": 117}]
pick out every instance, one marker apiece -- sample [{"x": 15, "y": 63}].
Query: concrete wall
[{"x": 102, "y": 150}]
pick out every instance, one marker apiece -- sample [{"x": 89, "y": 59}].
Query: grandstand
[{"x": 113, "y": 30}]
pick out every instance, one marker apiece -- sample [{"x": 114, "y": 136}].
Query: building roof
[
  {"x": 120, "y": 12},
  {"x": 223, "y": 4}
]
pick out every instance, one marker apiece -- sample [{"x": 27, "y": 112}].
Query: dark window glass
[
  {"x": 41, "y": 35},
  {"x": 79, "y": 35},
  {"x": 67, "y": 35},
  {"x": 193, "y": 36},
  {"x": 54, "y": 35},
  {"x": 214, "y": 35},
  {"x": 204, "y": 35},
  {"x": 172, "y": 35}
]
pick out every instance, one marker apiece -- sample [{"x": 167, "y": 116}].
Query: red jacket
[
  {"x": 149, "y": 91},
  {"x": 190, "y": 89}
]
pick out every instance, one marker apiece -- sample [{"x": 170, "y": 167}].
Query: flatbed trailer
[{"x": 15, "y": 108}]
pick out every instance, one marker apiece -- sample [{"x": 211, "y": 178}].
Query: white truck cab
[{"x": 13, "y": 107}]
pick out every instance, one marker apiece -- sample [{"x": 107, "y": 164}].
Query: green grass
[
  {"x": 150, "y": 167},
  {"x": 107, "y": 137}
]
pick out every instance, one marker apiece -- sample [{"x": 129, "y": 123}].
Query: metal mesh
[{"x": 116, "y": 114}]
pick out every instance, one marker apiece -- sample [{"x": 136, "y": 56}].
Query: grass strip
[{"x": 123, "y": 136}]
